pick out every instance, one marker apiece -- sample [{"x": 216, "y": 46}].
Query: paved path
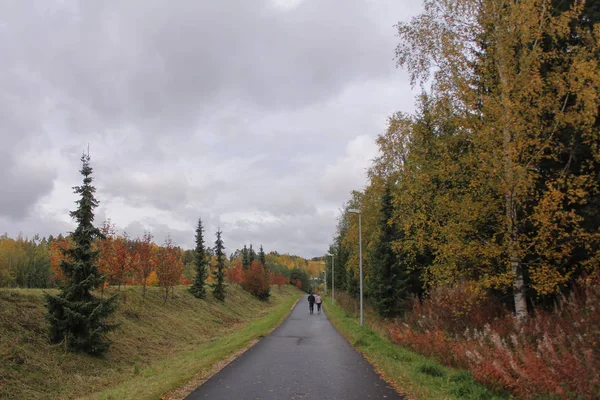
[{"x": 304, "y": 358}]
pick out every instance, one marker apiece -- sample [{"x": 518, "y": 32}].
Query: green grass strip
[
  {"x": 170, "y": 373},
  {"x": 412, "y": 374}
]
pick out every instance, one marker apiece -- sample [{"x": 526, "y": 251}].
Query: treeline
[
  {"x": 126, "y": 261},
  {"x": 494, "y": 180}
]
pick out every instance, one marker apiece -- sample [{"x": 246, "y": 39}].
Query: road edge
[{"x": 391, "y": 383}]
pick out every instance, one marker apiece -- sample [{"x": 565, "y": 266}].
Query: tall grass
[{"x": 553, "y": 354}]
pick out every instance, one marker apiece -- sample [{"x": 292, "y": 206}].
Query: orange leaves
[
  {"x": 255, "y": 279},
  {"x": 278, "y": 279},
  {"x": 169, "y": 266},
  {"x": 235, "y": 273},
  {"x": 56, "y": 250},
  {"x": 152, "y": 279}
]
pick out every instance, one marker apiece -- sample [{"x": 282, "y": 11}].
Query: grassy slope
[
  {"x": 157, "y": 348},
  {"x": 413, "y": 375}
]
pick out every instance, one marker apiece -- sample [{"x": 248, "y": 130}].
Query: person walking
[
  {"x": 311, "y": 303},
  {"x": 318, "y": 300}
]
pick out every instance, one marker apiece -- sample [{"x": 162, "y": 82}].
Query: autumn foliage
[
  {"x": 556, "y": 353},
  {"x": 169, "y": 267},
  {"x": 256, "y": 281},
  {"x": 57, "y": 255}
]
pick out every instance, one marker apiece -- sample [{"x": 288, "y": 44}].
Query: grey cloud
[{"x": 195, "y": 109}]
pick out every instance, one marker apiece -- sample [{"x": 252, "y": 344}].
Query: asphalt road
[{"x": 304, "y": 358}]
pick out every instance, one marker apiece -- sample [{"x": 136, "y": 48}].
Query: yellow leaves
[
  {"x": 545, "y": 279},
  {"x": 152, "y": 279}
]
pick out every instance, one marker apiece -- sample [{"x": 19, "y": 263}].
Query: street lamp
[
  {"x": 355, "y": 211},
  {"x": 332, "y": 279}
]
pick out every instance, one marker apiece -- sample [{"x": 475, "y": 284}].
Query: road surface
[{"x": 304, "y": 358}]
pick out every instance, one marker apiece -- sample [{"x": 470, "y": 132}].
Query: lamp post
[
  {"x": 355, "y": 211},
  {"x": 332, "y": 279}
]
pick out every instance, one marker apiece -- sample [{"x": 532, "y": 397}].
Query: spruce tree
[
  {"x": 251, "y": 254},
  {"x": 389, "y": 283},
  {"x": 76, "y": 316},
  {"x": 201, "y": 263},
  {"x": 218, "y": 287},
  {"x": 261, "y": 257},
  {"x": 245, "y": 258},
  {"x": 263, "y": 260}
]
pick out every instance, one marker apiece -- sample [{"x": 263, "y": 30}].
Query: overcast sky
[{"x": 258, "y": 116}]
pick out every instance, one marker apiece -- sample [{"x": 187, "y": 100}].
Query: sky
[{"x": 260, "y": 117}]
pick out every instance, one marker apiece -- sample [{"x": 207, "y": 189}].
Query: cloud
[
  {"x": 259, "y": 117},
  {"x": 340, "y": 178}
]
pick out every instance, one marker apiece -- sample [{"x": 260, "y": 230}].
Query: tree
[
  {"x": 521, "y": 81},
  {"x": 389, "y": 277},
  {"x": 169, "y": 268},
  {"x": 201, "y": 263},
  {"x": 218, "y": 287},
  {"x": 145, "y": 259},
  {"x": 261, "y": 257},
  {"x": 76, "y": 316},
  {"x": 251, "y": 254},
  {"x": 246, "y": 261},
  {"x": 256, "y": 282},
  {"x": 300, "y": 279}
]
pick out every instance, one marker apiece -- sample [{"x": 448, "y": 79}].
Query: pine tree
[
  {"x": 389, "y": 282},
  {"x": 201, "y": 262},
  {"x": 218, "y": 287},
  {"x": 77, "y": 317},
  {"x": 245, "y": 258}
]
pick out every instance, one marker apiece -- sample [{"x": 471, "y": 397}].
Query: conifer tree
[
  {"x": 261, "y": 257},
  {"x": 389, "y": 282},
  {"x": 76, "y": 316},
  {"x": 251, "y": 254},
  {"x": 246, "y": 258},
  {"x": 218, "y": 287},
  {"x": 201, "y": 263}
]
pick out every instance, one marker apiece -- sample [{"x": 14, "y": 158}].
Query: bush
[
  {"x": 554, "y": 354},
  {"x": 256, "y": 282}
]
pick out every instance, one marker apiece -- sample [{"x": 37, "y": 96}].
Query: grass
[
  {"x": 156, "y": 349},
  {"x": 413, "y": 375}
]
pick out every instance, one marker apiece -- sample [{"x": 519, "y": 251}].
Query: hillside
[{"x": 157, "y": 347}]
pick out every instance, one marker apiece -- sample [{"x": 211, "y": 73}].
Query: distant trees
[
  {"x": 218, "y": 287},
  {"x": 75, "y": 315},
  {"x": 25, "y": 262},
  {"x": 201, "y": 264},
  {"x": 300, "y": 279}
]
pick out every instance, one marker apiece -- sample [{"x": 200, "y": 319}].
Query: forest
[{"x": 481, "y": 216}]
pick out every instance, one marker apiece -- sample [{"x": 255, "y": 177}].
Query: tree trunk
[{"x": 510, "y": 202}]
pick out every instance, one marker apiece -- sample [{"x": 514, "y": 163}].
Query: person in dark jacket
[{"x": 311, "y": 303}]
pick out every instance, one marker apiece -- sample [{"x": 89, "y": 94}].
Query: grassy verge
[
  {"x": 413, "y": 375},
  {"x": 157, "y": 349}
]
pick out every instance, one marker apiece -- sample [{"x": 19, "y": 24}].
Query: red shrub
[
  {"x": 255, "y": 280},
  {"x": 555, "y": 353}
]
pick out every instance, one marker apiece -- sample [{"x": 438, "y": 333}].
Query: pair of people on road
[{"x": 312, "y": 299}]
